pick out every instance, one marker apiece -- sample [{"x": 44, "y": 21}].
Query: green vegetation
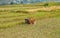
[
  {"x": 8, "y": 18},
  {"x": 12, "y": 21}
]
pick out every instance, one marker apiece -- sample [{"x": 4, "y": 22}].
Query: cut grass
[
  {"x": 16, "y": 13},
  {"x": 11, "y": 19},
  {"x": 12, "y": 23}
]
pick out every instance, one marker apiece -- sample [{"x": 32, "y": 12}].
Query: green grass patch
[{"x": 13, "y": 14}]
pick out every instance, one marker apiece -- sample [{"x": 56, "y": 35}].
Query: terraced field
[{"x": 12, "y": 22}]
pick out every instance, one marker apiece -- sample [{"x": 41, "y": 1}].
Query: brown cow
[{"x": 30, "y": 21}]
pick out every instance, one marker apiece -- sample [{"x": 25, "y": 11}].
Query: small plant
[{"x": 46, "y": 4}]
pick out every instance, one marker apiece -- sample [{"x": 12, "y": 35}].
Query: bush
[{"x": 46, "y": 4}]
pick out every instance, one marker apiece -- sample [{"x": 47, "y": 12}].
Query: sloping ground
[{"x": 45, "y": 28}]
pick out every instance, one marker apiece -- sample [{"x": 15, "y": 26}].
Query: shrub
[{"x": 46, "y": 4}]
